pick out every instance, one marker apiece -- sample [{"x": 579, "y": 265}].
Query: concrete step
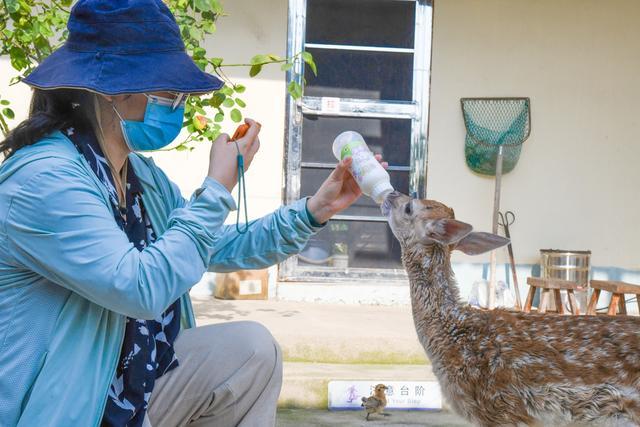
[
  {"x": 305, "y": 384},
  {"x": 326, "y": 333}
]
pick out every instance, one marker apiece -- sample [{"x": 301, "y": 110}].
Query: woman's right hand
[{"x": 223, "y": 165}]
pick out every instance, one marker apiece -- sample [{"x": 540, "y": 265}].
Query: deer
[{"x": 505, "y": 368}]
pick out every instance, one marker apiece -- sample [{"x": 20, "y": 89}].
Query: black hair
[{"x": 51, "y": 110}]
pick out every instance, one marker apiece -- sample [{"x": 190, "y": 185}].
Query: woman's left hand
[{"x": 337, "y": 192}]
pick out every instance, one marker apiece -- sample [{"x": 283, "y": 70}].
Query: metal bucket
[{"x": 568, "y": 265}]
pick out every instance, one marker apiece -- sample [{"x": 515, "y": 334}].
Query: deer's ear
[
  {"x": 447, "y": 231},
  {"x": 479, "y": 243}
]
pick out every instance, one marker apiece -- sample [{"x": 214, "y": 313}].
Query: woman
[{"x": 99, "y": 249}]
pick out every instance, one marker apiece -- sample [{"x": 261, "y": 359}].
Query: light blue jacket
[{"x": 69, "y": 275}]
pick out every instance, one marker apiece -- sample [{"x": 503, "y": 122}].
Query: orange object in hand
[{"x": 240, "y": 132}]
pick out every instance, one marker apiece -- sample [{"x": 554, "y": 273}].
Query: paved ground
[
  {"x": 319, "y": 418},
  {"x": 326, "y": 333}
]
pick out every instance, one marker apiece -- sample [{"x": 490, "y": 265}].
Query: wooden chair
[
  {"x": 547, "y": 286},
  {"x": 617, "y": 289}
]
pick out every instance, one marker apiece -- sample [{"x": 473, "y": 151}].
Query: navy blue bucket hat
[{"x": 122, "y": 46}]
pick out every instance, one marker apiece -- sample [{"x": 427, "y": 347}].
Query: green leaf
[
  {"x": 12, "y": 6},
  {"x": 308, "y": 58},
  {"x": 226, "y": 90},
  {"x": 18, "y": 58},
  {"x": 209, "y": 16},
  {"x": 216, "y": 62},
  {"x": 8, "y": 113},
  {"x": 259, "y": 59},
  {"x": 181, "y": 147},
  {"x": 228, "y": 103},
  {"x": 26, "y": 7},
  {"x": 286, "y": 66},
  {"x": 255, "y": 70},
  {"x": 217, "y": 99},
  {"x": 199, "y": 53},
  {"x": 45, "y": 30},
  {"x": 4, "y": 102},
  {"x": 295, "y": 90},
  {"x": 202, "y": 5},
  {"x": 236, "y": 115},
  {"x": 209, "y": 26},
  {"x": 240, "y": 103},
  {"x": 239, "y": 89},
  {"x": 202, "y": 63},
  {"x": 313, "y": 67},
  {"x": 275, "y": 58},
  {"x": 218, "y": 117},
  {"x": 196, "y": 33},
  {"x": 217, "y": 6}
]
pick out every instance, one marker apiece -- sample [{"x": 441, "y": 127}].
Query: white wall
[
  {"x": 248, "y": 29},
  {"x": 575, "y": 186}
]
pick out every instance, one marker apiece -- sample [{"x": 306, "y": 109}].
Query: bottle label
[{"x": 362, "y": 158}]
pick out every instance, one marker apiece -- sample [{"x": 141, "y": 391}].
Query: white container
[{"x": 372, "y": 178}]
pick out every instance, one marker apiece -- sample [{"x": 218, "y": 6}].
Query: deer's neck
[
  {"x": 434, "y": 298},
  {"x": 433, "y": 287}
]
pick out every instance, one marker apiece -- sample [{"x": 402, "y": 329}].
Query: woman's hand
[
  {"x": 223, "y": 165},
  {"x": 337, "y": 192}
]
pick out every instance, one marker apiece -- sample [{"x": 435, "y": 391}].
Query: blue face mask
[{"x": 162, "y": 123}]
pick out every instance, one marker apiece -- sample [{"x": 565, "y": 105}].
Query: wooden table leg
[
  {"x": 593, "y": 302},
  {"x": 529, "y": 301},
  {"x": 573, "y": 304},
  {"x": 613, "y": 305},
  {"x": 622, "y": 305},
  {"x": 558, "y": 298},
  {"x": 544, "y": 301},
  {"x": 638, "y": 301}
]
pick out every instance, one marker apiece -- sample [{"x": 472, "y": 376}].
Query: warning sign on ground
[{"x": 400, "y": 394}]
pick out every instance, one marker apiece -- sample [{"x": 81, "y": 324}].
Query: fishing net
[{"x": 492, "y": 123}]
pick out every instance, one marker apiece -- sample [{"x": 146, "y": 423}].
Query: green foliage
[{"x": 31, "y": 29}]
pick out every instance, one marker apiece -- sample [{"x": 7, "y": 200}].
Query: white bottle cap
[{"x": 380, "y": 191}]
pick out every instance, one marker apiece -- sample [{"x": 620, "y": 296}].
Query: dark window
[
  {"x": 389, "y": 137},
  {"x": 361, "y": 22},
  {"x": 363, "y": 75}
]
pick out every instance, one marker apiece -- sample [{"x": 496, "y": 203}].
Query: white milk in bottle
[{"x": 372, "y": 178}]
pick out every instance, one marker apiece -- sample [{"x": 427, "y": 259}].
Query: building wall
[
  {"x": 575, "y": 184},
  {"x": 248, "y": 29}
]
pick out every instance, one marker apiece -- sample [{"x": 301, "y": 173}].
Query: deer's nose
[{"x": 393, "y": 196}]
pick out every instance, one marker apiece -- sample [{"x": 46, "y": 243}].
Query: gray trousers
[{"x": 229, "y": 374}]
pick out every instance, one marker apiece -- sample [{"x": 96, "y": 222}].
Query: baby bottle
[{"x": 372, "y": 178}]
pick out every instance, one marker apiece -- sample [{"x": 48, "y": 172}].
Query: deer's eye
[{"x": 407, "y": 208}]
